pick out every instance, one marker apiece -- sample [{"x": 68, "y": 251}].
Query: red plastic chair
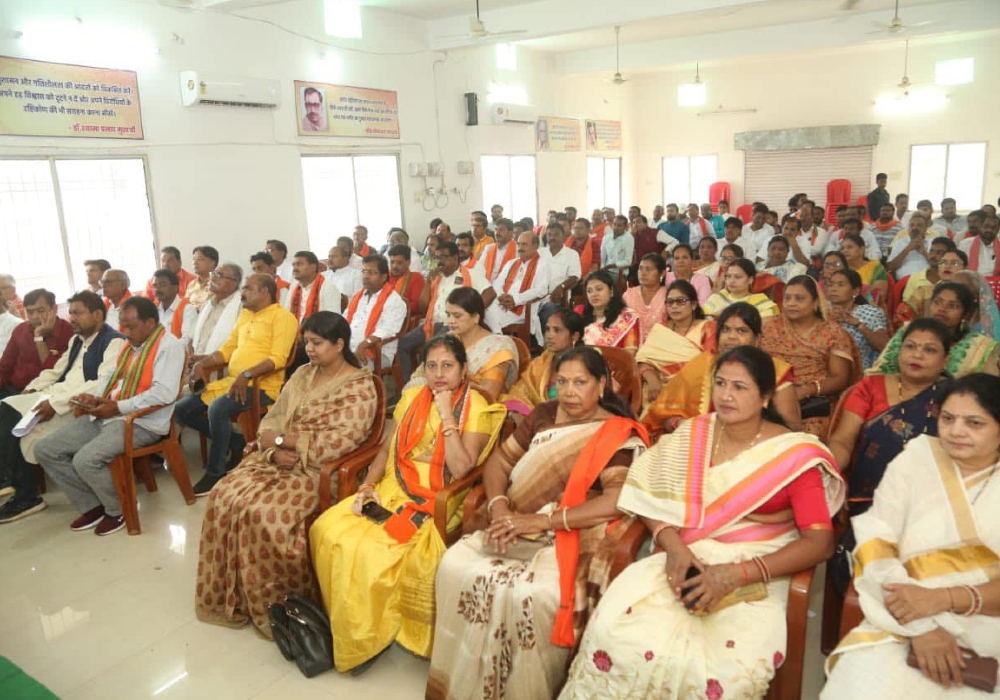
[
  {"x": 838, "y": 192},
  {"x": 717, "y": 192},
  {"x": 745, "y": 213},
  {"x": 994, "y": 283}
]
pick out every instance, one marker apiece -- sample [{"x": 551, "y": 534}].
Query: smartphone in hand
[
  {"x": 375, "y": 512},
  {"x": 691, "y": 573}
]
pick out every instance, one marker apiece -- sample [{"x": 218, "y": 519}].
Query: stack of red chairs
[
  {"x": 717, "y": 192},
  {"x": 838, "y": 192},
  {"x": 745, "y": 213}
]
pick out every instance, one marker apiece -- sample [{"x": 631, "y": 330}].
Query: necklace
[
  {"x": 985, "y": 483},
  {"x": 722, "y": 435},
  {"x": 676, "y": 328},
  {"x": 899, "y": 394}
]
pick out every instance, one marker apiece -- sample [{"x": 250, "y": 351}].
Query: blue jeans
[{"x": 216, "y": 424}]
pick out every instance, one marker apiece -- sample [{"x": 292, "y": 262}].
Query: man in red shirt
[
  {"x": 35, "y": 345},
  {"x": 408, "y": 284}
]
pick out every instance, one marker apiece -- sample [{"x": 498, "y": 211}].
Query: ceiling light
[
  {"x": 692, "y": 94},
  {"x": 342, "y": 18}
]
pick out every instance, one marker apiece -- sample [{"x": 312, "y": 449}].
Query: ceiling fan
[
  {"x": 618, "y": 79},
  {"x": 895, "y": 25},
  {"x": 905, "y": 83},
  {"x": 478, "y": 30}
]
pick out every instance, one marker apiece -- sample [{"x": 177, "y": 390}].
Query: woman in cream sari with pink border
[
  {"x": 739, "y": 510},
  {"x": 928, "y": 548}
]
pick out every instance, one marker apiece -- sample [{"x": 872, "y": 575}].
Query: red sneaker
[
  {"x": 110, "y": 524},
  {"x": 88, "y": 519}
]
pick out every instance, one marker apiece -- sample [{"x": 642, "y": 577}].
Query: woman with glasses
[
  {"x": 647, "y": 299},
  {"x": 739, "y": 278},
  {"x": 832, "y": 261},
  {"x": 682, "y": 268},
  {"x": 674, "y": 342},
  {"x": 953, "y": 305},
  {"x": 864, "y": 322}
]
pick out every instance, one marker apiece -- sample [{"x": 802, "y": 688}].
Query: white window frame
[
  {"x": 691, "y": 196},
  {"x": 915, "y": 196},
  {"x": 614, "y": 199},
  {"x": 75, "y": 273},
  {"x": 321, "y": 240},
  {"x": 489, "y": 199}
]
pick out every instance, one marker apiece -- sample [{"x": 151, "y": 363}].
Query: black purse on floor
[{"x": 302, "y": 632}]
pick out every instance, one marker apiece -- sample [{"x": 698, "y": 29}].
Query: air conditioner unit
[
  {"x": 230, "y": 91},
  {"x": 513, "y": 114}
]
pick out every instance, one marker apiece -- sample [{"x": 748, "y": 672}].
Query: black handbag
[
  {"x": 815, "y": 407},
  {"x": 302, "y": 632}
]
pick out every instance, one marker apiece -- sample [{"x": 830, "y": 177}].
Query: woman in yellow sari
[
  {"x": 377, "y": 576},
  {"x": 689, "y": 393},
  {"x": 874, "y": 278},
  {"x": 739, "y": 278},
  {"x": 744, "y": 502},
  {"x": 536, "y": 385},
  {"x": 676, "y": 341},
  {"x": 513, "y": 598}
]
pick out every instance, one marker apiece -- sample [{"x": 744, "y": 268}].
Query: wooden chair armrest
[
  {"x": 131, "y": 417},
  {"x": 627, "y": 548},
  {"x": 852, "y": 615},
  {"x": 444, "y": 497},
  {"x": 347, "y": 469},
  {"x": 787, "y": 682},
  {"x": 474, "y": 500}
]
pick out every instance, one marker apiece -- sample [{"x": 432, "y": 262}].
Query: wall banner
[
  {"x": 557, "y": 134},
  {"x": 604, "y": 136},
  {"x": 340, "y": 110},
  {"x": 38, "y": 98}
]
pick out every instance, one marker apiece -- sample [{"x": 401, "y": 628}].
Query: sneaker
[
  {"x": 109, "y": 524},
  {"x": 205, "y": 485},
  {"x": 88, "y": 519},
  {"x": 15, "y": 510}
]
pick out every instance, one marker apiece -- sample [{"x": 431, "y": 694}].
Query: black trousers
[{"x": 14, "y": 468}]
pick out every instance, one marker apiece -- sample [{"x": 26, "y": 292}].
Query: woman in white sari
[
  {"x": 927, "y": 566},
  {"x": 741, "y": 502}
]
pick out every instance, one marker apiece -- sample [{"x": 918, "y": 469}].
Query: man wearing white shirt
[
  {"x": 311, "y": 292},
  {"x": 346, "y": 245},
  {"x": 909, "y": 256},
  {"x": 811, "y": 240},
  {"x": 176, "y": 314},
  {"x": 903, "y": 212},
  {"x": 282, "y": 264},
  {"x": 523, "y": 279},
  {"x": 564, "y": 272},
  {"x": 114, "y": 286},
  {"x": 347, "y": 279},
  {"x": 617, "y": 249},
  {"x": 496, "y": 255},
  {"x": 759, "y": 231},
  {"x": 734, "y": 234},
  {"x": 376, "y": 312},
  {"x": 8, "y": 322},
  {"x": 658, "y": 216},
  {"x": 218, "y": 315},
  {"x": 951, "y": 221},
  {"x": 984, "y": 249},
  {"x": 698, "y": 227},
  {"x": 926, "y": 207}
]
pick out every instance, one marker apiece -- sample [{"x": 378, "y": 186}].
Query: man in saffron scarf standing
[
  {"x": 524, "y": 279},
  {"x": 147, "y": 374}
]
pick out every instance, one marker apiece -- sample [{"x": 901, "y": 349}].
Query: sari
[
  {"x": 378, "y": 589},
  {"x": 689, "y": 393},
  {"x": 810, "y": 356},
  {"x": 493, "y": 357},
  {"x": 535, "y": 386},
  {"x": 718, "y": 302},
  {"x": 254, "y": 539},
  {"x": 641, "y": 642},
  {"x": 930, "y": 526},
  {"x": 874, "y": 318},
  {"x": 668, "y": 351},
  {"x": 973, "y": 353},
  {"x": 649, "y": 314},
  {"x": 872, "y": 272},
  {"x": 496, "y": 613},
  {"x": 623, "y": 333}
]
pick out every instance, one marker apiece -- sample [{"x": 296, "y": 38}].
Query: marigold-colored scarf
[
  {"x": 312, "y": 301},
  {"x": 429, "y": 318},
  {"x": 136, "y": 375},
  {"x": 375, "y": 313},
  {"x": 491, "y": 258},
  {"x": 529, "y": 278}
]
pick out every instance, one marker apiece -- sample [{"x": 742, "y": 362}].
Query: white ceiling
[{"x": 439, "y": 9}]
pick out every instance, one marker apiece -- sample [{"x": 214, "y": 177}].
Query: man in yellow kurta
[{"x": 259, "y": 344}]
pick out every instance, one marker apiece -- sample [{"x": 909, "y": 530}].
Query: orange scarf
[
  {"x": 479, "y": 246},
  {"x": 374, "y": 314},
  {"x": 177, "y": 320},
  {"x": 588, "y": 466},
  {"x": 365, "y": 250},
  {"x": 136, "y": 375},
  {"x": 491, "y": 258},
  {"x": 107, "y": 302},
  {"x": 404, "y": 524},
  {"x": 312, "y": 302},
  {"x": 429, "y": 318},
  {"x": 586, "y": 256},
  {"x": 704, "y": 227},
  {"x": 529, "y": 277},
  {"x": 884, "y": 227}
]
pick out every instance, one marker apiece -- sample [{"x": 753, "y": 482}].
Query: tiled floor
[{"x": 103, "y": 618}]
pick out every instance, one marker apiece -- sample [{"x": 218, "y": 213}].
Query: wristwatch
[
  {"x": 247, "y": 375},
  {"x": 279, "y": 441}
]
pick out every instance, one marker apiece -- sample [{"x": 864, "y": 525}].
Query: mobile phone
[
  {"x": 691, "y": 573},
  {"x": 198, "y": 386},
  {"x": 375, "y": 512},
  {"x": 77, "y": 402}
]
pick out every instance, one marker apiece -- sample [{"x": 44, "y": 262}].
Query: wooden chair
[
  {"x": 787, "y": 681},
  {"x": 851, "y": 615},
  {"x": 124, "y": 465},
  {"x": 523, "y": 355},
  {"x": 522, "y": 331},
  {"x": 625, "y": 373},
  {"x": 378, "y": 370}
]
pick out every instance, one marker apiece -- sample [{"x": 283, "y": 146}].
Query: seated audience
[
  {"x": 759, "y": 232},
  {"x": 660, "y": 631},
  {"x": 885, "y": 227},
  {"x": 951, "y": 221},
  {"x": 465, "y": 245},
  {"x": 937, "y": 504},
  {"x": 523, "y": 279},
  {"x": 311, "y": 291},
  {"x": 8, "y": 294},
  {"x": 493, "y": 359},
  {"x": 954, "y": 305},
  {"x": 608, "y": 322},
  {"x": 734, "y": 236},
  {"x": 115, "y": 289},
  {"x": 682, "y": 268},
  {"x": 375, "y": 313},
  {"x": 170, "y": 259},
  {"x": 33, "y": 346},
  {"x": 874, "y": 279},
  {"x": 480, "y": 230},
  {"x": 865, "y": 323},
  {"x": 428, "y": 260},
  {"x": 259, "y": 344},
  {"x": 587, "y": 247},
  {"x": 263, "y": 264},
  {"x": 218, "y": 316},
  {"x": 359, "y": 242},
  {"x": 85, "y": 369},
  {"x": 177, "y": 314},
  {"x": 497, "y": 254},
  {"x": 854, "y": 225},
  {"x": 324, "y": 412},
  {"x": 564, "y": 267},
  {"x": 377, "y": 577},
  {"x": 698, "y": 227},
  {"x": 536, "y": 385},
  {"x": 674, "y": 226},
  {"x": 675, "y": 341},
  {"x": 8, "y": 322},
  {"x": 545, "y": 537},
  {"x": 618, "y": 249},
  {"x": 406, "y": 281},
  {"x": 832, "y": 261},
  {"x": 821, "y": 352},
  {"x": 689, "y": 392},
  {"x": 95, "y": 270},
  {"x": 399, "y": 237},
  {"x": 812, "y": 238},
  {"x": 739, "y": 277},
  {"x": 279, "y": 253},
  {"x": 708, "y": 262},
  {"x": 76, "y": 455},
  {"x": 648, "y": 299},
  {"x": 910, "y": 254},
  {"x": 204, "y": 259},
  {"x": 344, "y": 277},
  {"x": 983, "y": 249},
  {"x": 778, "y": 263}
]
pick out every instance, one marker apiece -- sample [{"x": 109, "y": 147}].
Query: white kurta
[
  {"x": 388, "y": 325},
  {"x": 497, "y": 318}
]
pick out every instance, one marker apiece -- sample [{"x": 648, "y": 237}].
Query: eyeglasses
[
  {"x": 217, "y": 275},
  {"x": 678, "y": 301},
  {"x": 951, "y": 263}
]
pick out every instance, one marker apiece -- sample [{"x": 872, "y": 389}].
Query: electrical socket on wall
[
  {"x": 434, "y": 169},
  {"x": 466, "y": 167},
  {"x": 418, "y": 169}
]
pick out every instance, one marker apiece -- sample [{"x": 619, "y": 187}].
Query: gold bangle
[
  {"x": 565, "y": 524},
  {"x": 448, "y": 432},
  {"x": 549, "y": 515},
  {"x": 489, "y": 506},
  {"x": 819, "y": 387}
]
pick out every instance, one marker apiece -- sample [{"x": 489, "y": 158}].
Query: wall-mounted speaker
[{"x": 471, "y": 109}]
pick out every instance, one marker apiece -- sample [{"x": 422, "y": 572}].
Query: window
[
  {"x": 506, "y": 56},
  {"x": 687, "y": 179},
  {"x": 953, "y": 170},
  {"x": 604, "y": 183},
  {"x": 347, "y": 191},
  {"x": 510, "y": 182},
  {"x": 957, "y": 71},
  {"x": 101, "y": 211}
]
